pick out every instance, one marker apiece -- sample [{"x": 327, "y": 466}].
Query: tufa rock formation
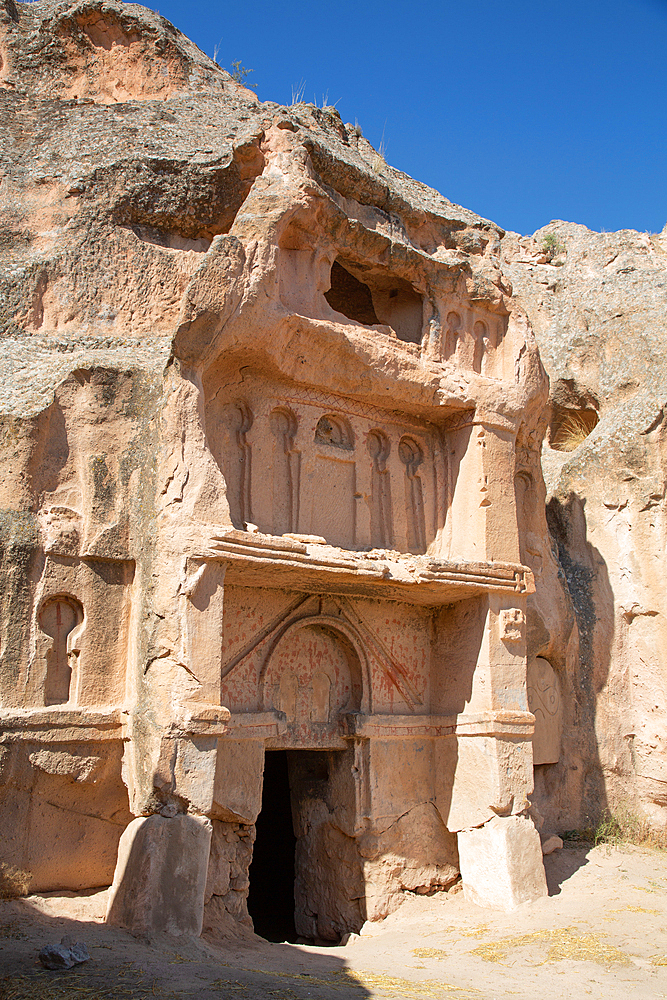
[
  {"x": 282, "y": 585},
  {"x": 597, "y": 303}
]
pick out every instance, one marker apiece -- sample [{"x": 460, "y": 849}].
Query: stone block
[
  {"x": 160, "y": 876},
  {"x": 501, "y": 863},
  {"x": 193, "y": 770},
  {"x": 490, "y": 775},
  {"x": 237, "y": 792}
]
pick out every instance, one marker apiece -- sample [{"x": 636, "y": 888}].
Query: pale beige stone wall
[{"x": 597, "y": 304}]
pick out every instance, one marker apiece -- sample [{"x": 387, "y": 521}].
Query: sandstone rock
[
  {"x": 551, "y": 844},
  {"x": 501, "y": 863},
  {"x": 270, "y": 466},
  {"x": 598, "y": 312},
  {"x": 160, "y": 876}
]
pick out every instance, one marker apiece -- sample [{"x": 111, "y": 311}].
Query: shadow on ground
[
  {"x": 124, "y": 968},
  {"x": 561, "y": 865}
]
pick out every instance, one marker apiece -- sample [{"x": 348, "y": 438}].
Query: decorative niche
[
  {"x": 375, "y": 297},
  {"x": 58, "y": 620}
]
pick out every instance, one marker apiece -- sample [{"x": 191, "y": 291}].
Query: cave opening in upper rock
[
  {"x": 570, "y": 426},
  {"x": 350, "y": 296},
  {"x": 375, "y": 297}
]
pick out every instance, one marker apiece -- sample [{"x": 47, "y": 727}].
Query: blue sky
[{"x": 521, "y": 111}]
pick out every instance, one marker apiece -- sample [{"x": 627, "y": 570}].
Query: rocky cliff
[
  {"x": 598, "y": 303},
  {"x": 166, "y": 240}
]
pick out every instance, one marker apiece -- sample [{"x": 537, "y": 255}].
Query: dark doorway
[{"x": 271, "y": 895}]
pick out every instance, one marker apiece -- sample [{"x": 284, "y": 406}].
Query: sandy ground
[{"x": 602, "y": 933}]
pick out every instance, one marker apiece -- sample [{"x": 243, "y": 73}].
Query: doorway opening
[
  {"x": 271, "y": 894},
  {"x": 306, "y": 876}
]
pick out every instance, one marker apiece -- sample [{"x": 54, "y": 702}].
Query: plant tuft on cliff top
[{"x": 552, "y": 246}]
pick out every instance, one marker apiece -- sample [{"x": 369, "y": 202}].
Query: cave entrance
[
  {"x": 301, "y": 847},
  {"x": 271, "y": 894}
]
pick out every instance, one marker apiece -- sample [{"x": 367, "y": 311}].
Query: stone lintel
[
  {"x": 256, "y": 725},
  {"x": 502, "y": 724},
  {"x": 255, "y": 559},
  {"x": 272, "y": 726}
]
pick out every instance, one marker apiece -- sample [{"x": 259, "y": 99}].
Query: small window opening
[{"x": 375, "y": 297}]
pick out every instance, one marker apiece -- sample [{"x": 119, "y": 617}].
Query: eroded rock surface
[
  {"x": 597, "y": 302},
  {"x": 273, "y": 504}
]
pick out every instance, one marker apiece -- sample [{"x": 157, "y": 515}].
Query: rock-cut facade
[{"x": 272, "y": 510}]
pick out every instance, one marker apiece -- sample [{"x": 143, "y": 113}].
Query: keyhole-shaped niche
[
  {"x": 286, "y": 471},
  {"x": 412, "y": 457},
  {"x": 236, "y": 419},
  {"x": 378, "y": 447},
  {"x": 58, "y": 618}
]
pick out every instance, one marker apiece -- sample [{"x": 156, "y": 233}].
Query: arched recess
[
  {"x": 412, "y": 456},
  {"x": 544, "y": 701},
  {"x": 292, "y": 677},
  {"x": 286, "y": 467},
  {"x": 59, "y": 619},
  {"x": 334, "y": 431}
]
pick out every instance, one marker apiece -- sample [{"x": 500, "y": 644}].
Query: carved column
[{"x": 499, "y": 847}]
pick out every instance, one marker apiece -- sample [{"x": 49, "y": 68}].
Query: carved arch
[
  {"x": 361, "y": 684},
  {"x": 334, "y": 431}
]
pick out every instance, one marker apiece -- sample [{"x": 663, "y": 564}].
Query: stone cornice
[{"x": 278, "y": 562}]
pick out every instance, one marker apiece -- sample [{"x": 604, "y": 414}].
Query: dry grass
[
  {"x": 637, "y": 909},
  {"x": 43, "y": 986},
  {"x": 345, "y": 980},
  {"x": 13, "y": 882},
  {"x": 392, "y": 986},
  {"x": 429, "y": 953},
  {"x": 626, "y": 827},
  {"x": 563, "y": 943},
  {"x": 12, "y": 931},
  {"x": 572, "y": 429},
  {"x": 476, "y": 932}
]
